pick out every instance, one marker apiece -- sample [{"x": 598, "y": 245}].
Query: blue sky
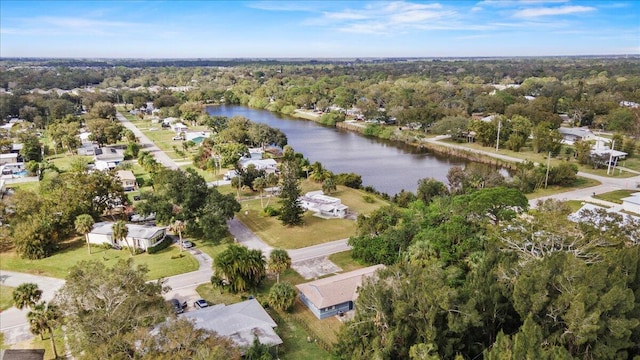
[{"x": 319, "y": 29}]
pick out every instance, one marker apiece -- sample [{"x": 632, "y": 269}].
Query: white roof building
[{"x": 323, "y": 205}]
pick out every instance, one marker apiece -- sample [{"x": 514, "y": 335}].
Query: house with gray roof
[
  {"x": 336, "y": 294},
  {"x": 571, "y": 135},
  {"x": 139, "y": 236},
  {"x": 241, "y": 322}
]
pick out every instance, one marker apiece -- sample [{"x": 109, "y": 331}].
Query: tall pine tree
[{"x": 291, "y": 211}]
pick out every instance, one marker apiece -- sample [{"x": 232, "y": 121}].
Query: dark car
[
  {"x": 201, "y": 303},
  {"x": 177, "y": 306}
]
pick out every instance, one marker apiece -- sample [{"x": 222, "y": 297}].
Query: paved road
[
  {"x": 320, "y": 250},
  {"x": 147, "y": 145},
  {"x": 245, "y": 237},
  {"x": 13, "y": 322}
]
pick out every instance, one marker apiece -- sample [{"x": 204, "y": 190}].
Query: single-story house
[
  {"x": 169, "y": 120},
  {"x": 179, "y": 127},
  {"x": 268, "y": 165},
  {"x": 336, "y": 294},
  {"x": 8, "y": 158},
  {"x": 323, "y": 205},
  {"x": 632, "y": 203},
  {"x": 139, "y": 236},
  {"x": 87, "y": 149},
  {"x": 127, "y": 179},
  {"x": 571, "y": 135},
  {"x": 240, "y": 322},
  {"x": 107, "y": 158}
]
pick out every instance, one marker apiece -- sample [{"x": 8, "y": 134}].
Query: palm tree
[
  {"x": 279, "y": 261},
  {"x": 260, "y": 184},
  {"x": 282, "y": 296},
  {"x": 329, "y": 185},
  {"x": 120, "y": 232},
  {"x": 84, "y": 224},
  {"x": 178, "y": 226},
  {"x": 44, "y": 318},
  {"x": 26, "y": 295},
  {"x": 241, "y": 267},
  {"x": 317, "y": 172}
]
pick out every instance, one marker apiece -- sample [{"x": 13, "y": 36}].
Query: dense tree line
[{"x": 469, "y": 278}]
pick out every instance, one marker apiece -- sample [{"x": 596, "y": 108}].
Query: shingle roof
[
  {"x": 336, "y": 289},
  {"x": 240, "y": 322}
]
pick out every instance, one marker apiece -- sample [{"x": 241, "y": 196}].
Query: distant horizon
[
  {"x": 318, "y": 29},
  {"x": 346, "y": 58}
]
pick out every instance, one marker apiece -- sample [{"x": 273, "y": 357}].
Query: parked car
[
  {"x": 177, "y": 137},
  {"x": 177, "y": 306},
  {"x": 201, "y": 303},
  {"x": 186, "y": 244}
]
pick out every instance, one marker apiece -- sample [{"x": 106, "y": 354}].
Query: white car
[
  {"x": 177, "y": 137},
  {"x": 186, "y": 244}
]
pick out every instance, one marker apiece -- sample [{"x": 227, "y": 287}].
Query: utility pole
[
  {"x": 498, "y": 137},
  {"x": 546, "y": 178},
  {"x": 613, "y": 145}
]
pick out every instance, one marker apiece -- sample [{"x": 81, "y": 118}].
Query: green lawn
[
  {"x": 6, "y": 299},
  {"x": 164, "y": 263},
  {"x": 30, "y": 186},
  {"x": 64, "y": 161},
  {"x": 345, "y": 261},
  {"x": 615, "y": 196},
  {"x": 315, "y": 230},
  {"x": 580, "y": 183}
]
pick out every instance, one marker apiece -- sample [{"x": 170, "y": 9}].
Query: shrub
[
  {"x": 163, "y": 245},
  {"x": 270, "y": 211},
  {"x": 368, "y": 199}
]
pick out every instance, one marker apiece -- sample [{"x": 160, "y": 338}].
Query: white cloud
[
  {"x": 552, "y": 11},
  {"x": 387, "y": 18}
]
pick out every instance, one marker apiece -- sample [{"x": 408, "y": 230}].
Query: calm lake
[{"x": 387, "y": 166}]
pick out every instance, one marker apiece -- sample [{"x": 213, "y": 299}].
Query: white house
[
  {"x": 268, "y": 165},
  {"x": 127, "y": 179},
  {"x": 179, "y": 127},
  {"x": 323, "y": 205},
  {"x": 139, "y": 236},
  {"x": 632, "y": 203},
  {"x": 571, "y": 135},
  {"x": 107, "y": 158},
  {"x": 8, "y": 158}
]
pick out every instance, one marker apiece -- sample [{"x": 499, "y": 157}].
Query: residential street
[
  {"x": 13, "y": 322},
  {"x": 146, "y": 144}
]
